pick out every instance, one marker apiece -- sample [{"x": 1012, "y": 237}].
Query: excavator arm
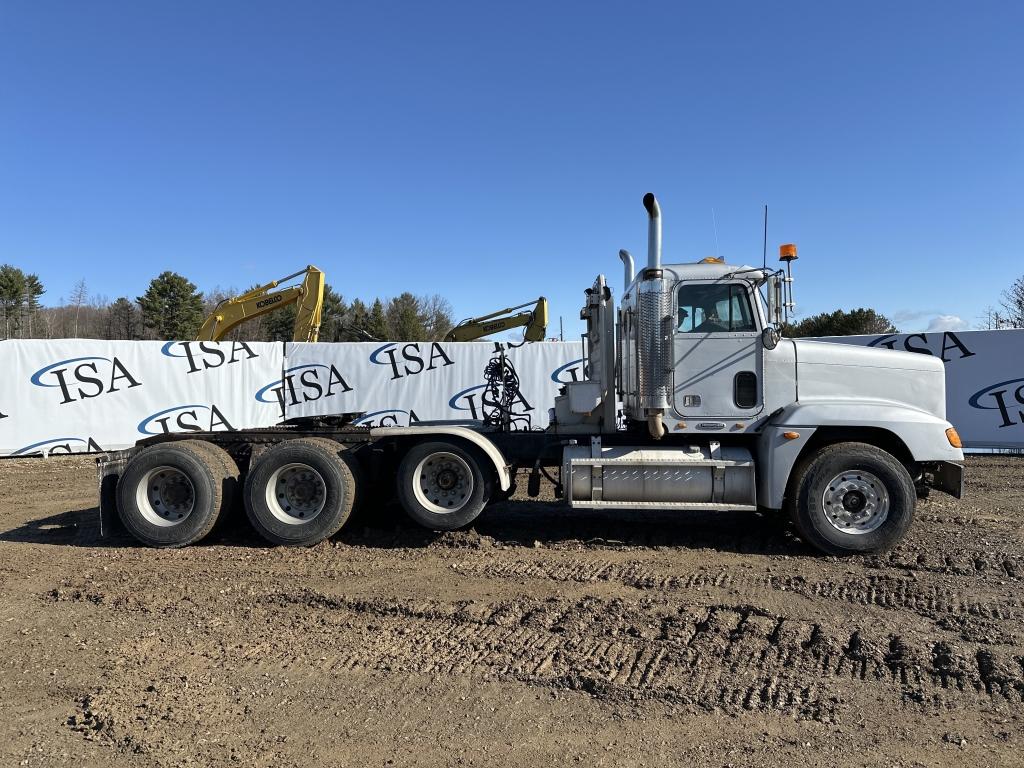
[
  {"x": 536, "y": 322},
  {"x": 308, "y": 296}
]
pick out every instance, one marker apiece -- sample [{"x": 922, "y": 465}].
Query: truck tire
[
  {"x": 171, "y": 494},
  {"x": 230, "y": 486},
  {"x": 443, "y": 486},
  {"x": 300, "y": 492},
  {"x": 852, "y": 498}
]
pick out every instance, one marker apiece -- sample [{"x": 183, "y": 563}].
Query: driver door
[{"x": 718, "y": 370}]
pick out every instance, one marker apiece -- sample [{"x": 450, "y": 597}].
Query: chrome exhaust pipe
[
  {"x": 653, "y": 231},
  {"x": 629, "y": 271},
  {"x": 656, "y": 423}
]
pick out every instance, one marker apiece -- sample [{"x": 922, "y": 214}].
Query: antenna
[
  {"x": 714, "y": 223},
  {"x": 764, "y": 247}
]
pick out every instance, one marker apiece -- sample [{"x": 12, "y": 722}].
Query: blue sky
[{"x": 493, "y": 152}]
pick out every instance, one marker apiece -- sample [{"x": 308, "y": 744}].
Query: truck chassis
[{"x": 690, "y": 400}]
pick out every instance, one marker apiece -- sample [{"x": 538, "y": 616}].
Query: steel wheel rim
[
  {"x": 296, "y": 493},
  {"x": 443, "y": 483},
  {"x": 855, "y": 502},
  {"x": 165, "y": 496}
]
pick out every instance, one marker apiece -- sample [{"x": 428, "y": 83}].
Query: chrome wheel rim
[
  {"x": 443, "y": 483},
  {"x": 855, "y": 502},
  {"x": 165, "y": 496},
  {"x": 296, "y": 493}
]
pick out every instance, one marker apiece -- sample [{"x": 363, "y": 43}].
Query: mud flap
[
  {"x": 108, "y": 469},
  {"x": 947, "y": 477}
]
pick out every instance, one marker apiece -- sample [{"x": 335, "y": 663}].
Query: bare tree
[
  {"x": 78, "y": 295},
  {"x": 437, "y": 315},
  {"x": 992, "y": 319},
  {"x": 1013, "y": 304}
]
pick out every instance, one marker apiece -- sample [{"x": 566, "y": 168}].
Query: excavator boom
[
  {"x": 536, "y": 322},
  {"x": 308, "y": 298}
]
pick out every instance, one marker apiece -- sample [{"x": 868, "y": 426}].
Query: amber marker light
[
  {"x": 791, "y": 435},
  {"x": 954, "y": 438}
]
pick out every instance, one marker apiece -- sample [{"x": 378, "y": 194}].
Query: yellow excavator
[
  {"x": 535, "y": 320},
  {"x": 308, "y": 296}
]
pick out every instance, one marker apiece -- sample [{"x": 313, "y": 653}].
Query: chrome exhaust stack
[
  {"x": 653, "y": 231},
  {"x": 654, "y": 332},
  {"x": 629, "y": 270}
]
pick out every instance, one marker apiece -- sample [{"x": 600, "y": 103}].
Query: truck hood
[{"x": 832, "y": 371}]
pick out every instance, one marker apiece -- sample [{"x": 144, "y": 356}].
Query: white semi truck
[{"x": 691, "y": 400}]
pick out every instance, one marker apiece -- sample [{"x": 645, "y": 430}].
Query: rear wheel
[
  {"x": 300, "y": 492},
  {"x": 852, "y": 498},
  {"x": 171, "y": 494},
  {"x": 443, "y": 486},
  {"x": 221, "y": 459}
]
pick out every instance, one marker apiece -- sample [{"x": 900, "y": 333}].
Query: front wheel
[
  {"x": 852, "y": 498},
  {"x": 443, "y": 486}
]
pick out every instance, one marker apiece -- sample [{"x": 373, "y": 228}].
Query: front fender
[{"x": 922, "y": 432}]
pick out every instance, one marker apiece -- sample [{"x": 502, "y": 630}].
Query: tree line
[
  {"x": 868, "y": 322},
  {"x": 172, "y": 307}
]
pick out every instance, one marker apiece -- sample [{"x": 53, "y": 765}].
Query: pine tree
[
  {"x": 357, "y": 319},
  {"x": 122, "y": 320},
  {"x": 856, "y": 322},
  {"x": 280, "y": 324},
  {"x": 334, "y": 316},
  {"x": 172, "y": 307},
  {"x": 31, "y": 306},
  {"x": 12, "y": 291},
  {"x": 377, "y": 322}
]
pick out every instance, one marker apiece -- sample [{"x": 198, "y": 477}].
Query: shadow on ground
[
  {"x": 510, "y": 523},
  {"x": 533, "y": 523}
]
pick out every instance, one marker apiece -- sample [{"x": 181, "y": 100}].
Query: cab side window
[{"x": 714, "y": 308}]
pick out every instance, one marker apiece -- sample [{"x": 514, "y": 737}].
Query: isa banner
[
  {"x": 984, "y": 379},
  {"x": 76, "y": 395},
  {"x": 399, "y": 383},
  {"x": 80, "y": 395}
]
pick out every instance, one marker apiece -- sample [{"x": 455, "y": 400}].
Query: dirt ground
[{"x": 540, "y": 637}]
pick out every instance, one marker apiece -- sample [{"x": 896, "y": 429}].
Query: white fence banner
[
  {"x": 397, "y": 383},
  {"x": 75, "y": 395},
  {"x": 984, "y": 379}
]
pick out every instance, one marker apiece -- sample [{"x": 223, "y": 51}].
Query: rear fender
[{"x": 489, "y": 449}]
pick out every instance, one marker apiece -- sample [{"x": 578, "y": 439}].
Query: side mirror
[{"x": 770, "y": 338}]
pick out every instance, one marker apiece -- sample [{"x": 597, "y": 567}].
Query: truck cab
[{"x": 715, "y": 409}]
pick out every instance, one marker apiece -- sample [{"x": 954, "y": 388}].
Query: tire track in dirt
[
  {"x": 886, "y": 591},
  {"x": 964, "y": 562},
  {"x": 714, "y": 657}
]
